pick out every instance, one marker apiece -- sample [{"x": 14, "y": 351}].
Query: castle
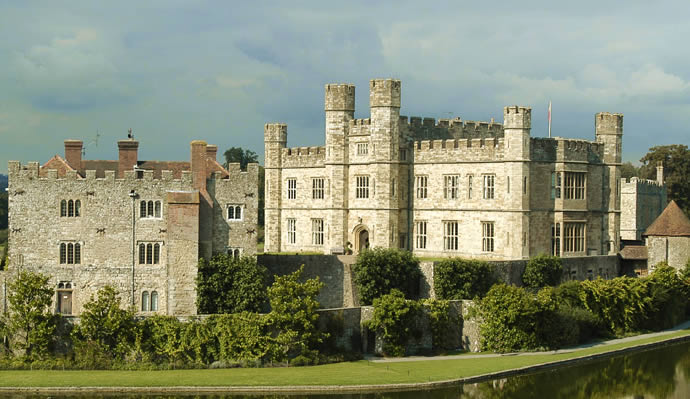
[
  {"x": 446, "y": 188},
  {"x": 140, "y": 226}
]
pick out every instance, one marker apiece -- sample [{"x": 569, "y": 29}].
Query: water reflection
[{"x": 660, "y": 373}]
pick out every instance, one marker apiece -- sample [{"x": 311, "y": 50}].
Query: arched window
[
  {"x": 150, "y": 209},
  {"x": 154, "y": 301},
  {"x": 142, "y": 254},
  {"x": 63, "y": 253},
  {"x": 70, "y": 254},
  {"x": 145, "y": 301},
  {"x": 158, "y": 209},
  {"x": 77, "y": 208},
  {"x": 236, "y": 253},
  {"x": 63, "y": 208},
  {"x": 231, "y": 212},
  {"x": 142, "y": 209},
  {"x": 238, "y": 212},
  {"x": 77, "y": 254},
  {"x": 70, "y": 208},
  {"x": 156, "y": 253},
  {"x": 149, "y": 254}
]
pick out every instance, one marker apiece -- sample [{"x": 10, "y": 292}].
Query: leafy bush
[
  {"x": 457, "y": 278},
  {"x": 394, "y": 320},
  {"x": 293, "y": 315},
  {"x": 30, "y": 324},
  {"x": 230, "y": 285},
  {"x": 541, "y": 271},
  {"x": 244, "y": 337},
  {"x": 104, "y": 323},
  {"x": 378, "y": 271},
  {"x": 668, "y": 299},
  {"x": 621, "y": 303},
  {"x": 568, "y": 294},
  {"x": 445, "y": 325}
]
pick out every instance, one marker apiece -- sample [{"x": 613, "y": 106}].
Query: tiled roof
[
  {"x": 634, "y": 252},
  {"x": 672, "y": 222}
]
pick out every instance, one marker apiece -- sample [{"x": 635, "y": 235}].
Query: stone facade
[
  {"x": 642, "y": 201},
  {"x": 441, "y": 188},
  {"x": 140, "y": 226}
]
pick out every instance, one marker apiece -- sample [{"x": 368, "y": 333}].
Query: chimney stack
[
  {"x": 128, "y": 156},
  {"x": 660, "y": 172},
  {"x": 198, "y": 164},
  {"x": 212, "y": 152},
  {"x": 73, "y": 153}
]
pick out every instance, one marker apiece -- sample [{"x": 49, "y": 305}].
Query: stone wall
[
  {"x": 642, "y": 201},
  {"x": 673, "y": 250}
]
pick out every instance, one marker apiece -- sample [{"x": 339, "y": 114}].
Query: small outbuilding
[{"x": 668, "y": 238}]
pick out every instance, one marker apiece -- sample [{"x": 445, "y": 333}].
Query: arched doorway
[{"x": 361, "y": 238}]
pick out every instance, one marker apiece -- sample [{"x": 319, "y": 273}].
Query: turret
[
  {"x": 340, "y": 110},
  {"x": 517, "y": 123},
  {"x": 275, "y": 139},
  {"x": 660, "y": 172},
  {"x": 609, "y": 131},
  {"x": 384, "y": 102}
]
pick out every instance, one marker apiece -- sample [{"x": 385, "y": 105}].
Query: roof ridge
[{"x": 672, "y": 222}]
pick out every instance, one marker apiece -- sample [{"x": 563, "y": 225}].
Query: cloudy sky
[{"x": 175, "y": 71}]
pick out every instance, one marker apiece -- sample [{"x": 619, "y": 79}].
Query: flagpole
[{"x": 549, "y": 119}]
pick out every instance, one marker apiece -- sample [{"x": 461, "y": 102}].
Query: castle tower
[
  {"x": 517, "y": 123},
  {"x": 340, "y": 110},
  {"x": 609, "y": 132},
  {"x": 384, "y": 102},
  {"x": 275, "y": 139}
]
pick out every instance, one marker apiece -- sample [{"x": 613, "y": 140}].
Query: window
[
  {"x": 291, "y": 188},
  {"x": 145, "y": 301},
  {"x": 524, "y": 185},
  {"x": 150, "y": 209},
  {"x": 149, "y": 253},
  {"x": 421, "y": 184},
  {"x": 450, "y": 236},
  {"x": 403, "y": 240},
  {"x": 149, "y": 302},
  {"x": 317, "y": 188},
  {"x": 556, "y": 239},
  {"x": 487, "y": 236},
  {"x": 555, "y": 185},
  {"x": 362, "y": 187},
  {"x": 362, "y": 148},
  {"x": 317, "y": 231},
  {"x": 70, "y": 253},
  {"x": 420, "y": 234},
  {"x": 488, "y": 189},
  {"x": 154, "y": 301},
  {"x": 469, "y": 186},
  {"x": 574, "y": 237},
  {"x": 393, "y": 189},
  {"x": 234, "y": 212},
  {"x": 291, "y": 231},
  {"x": 70, "y": 208},
  {"x": 403, "y": 154},
  {"x": 574, "y": 185},
  {"x": 508, "y": 184},
  {"x": 235, "y": 253},
  {"x": 451, "y": 185}
]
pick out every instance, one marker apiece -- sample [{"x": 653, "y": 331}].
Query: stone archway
[{"x": 361, "y": 238}]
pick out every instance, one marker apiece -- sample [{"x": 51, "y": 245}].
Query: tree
[
  {"x": 230, "y": 285},
  {"x": 676, "y": 161},
  {"x": 457, "y": 278},
  {"x": 237, "y": 154},
  {"x": 30, "y": 322},
  {"x": 293, "y": 314},
  {"x": 378, "y": 271},
  {"x": 104, "y": 322},
  {"x": 394, "y": 321},
  {"x": 629, "y": 170},
  {"x": 542, "y": 270}
]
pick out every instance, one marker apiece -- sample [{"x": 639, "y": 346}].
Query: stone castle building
[
  {"x": 668, "y": 238},
  {"x": 140, "y": 226},
  {"x": 642, "y": 201},
  {"x": 441, "y": 188}
]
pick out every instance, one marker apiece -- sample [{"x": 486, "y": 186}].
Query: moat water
[{"x": 659, "y": 373}]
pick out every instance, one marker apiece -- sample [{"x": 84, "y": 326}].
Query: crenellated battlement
[
  {"x": 340, "y": 97},
  {"x": 31, "y": 170},
  {"x": 303, "y": 156},
  {"x": 562, "y": 149},
  {"x": 419, "y": 128},
  {"x": 445, "y": 150},
  {"x": 642, "y": 183}
]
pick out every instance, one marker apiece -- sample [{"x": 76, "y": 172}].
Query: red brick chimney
[
  {"x": 73, "y": 153},
  {"x": 198, "y": 164},
  {"x": 127, "y": 156},
  {"x": 212, "y": 152}
]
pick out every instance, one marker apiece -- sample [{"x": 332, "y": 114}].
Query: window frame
[
  {"x": 451, "y": 235},
  {"x": 317, "y": 231},
  {"x": 362, "y": 186},
  {"x": 420, "y": 234},
  {"x": 488, "y": 236},
  {"x": 291, "y": 188},
  {"x": 451, "y": 186},
  {"x": 362, "y": 148},
  {"x": 291, "y": 231},
  {"x": 318, "y": 188},
  {"x": 421, "y": 186},
  {"x": 489, "y": 186},
  {"x": 236, "y": 209}
]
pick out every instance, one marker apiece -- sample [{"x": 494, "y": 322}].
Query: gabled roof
[
  {"x": 56, "y": 162},
  {"x": 634, "y": 252},
  {"x": 671, "y": 223}
]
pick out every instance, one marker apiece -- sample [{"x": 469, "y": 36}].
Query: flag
[{"x": 549, "y": 118}]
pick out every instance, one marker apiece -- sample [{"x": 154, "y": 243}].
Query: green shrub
[
  {"x": 230, "y": 285},
  {"x": 568, "y": 294},
  {"x": 445, "y": 325},
  {"x": 457, "y": 278},
  {"x": 293, "y": 315},
  {"x": 243, "y": 337},
  {"x": 621, "y": 303},
  {"x": 541, "y": 271},
  {"x": 106, "y": 324},
  {"x": 668, "y": 299},
  {"x": 394, "y": 321},
  {"x": 378, "y": 271}
]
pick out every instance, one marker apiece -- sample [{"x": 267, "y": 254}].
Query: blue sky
[{"x": 175, "y": 71}]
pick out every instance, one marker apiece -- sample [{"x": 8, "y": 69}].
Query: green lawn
[{"x": 353, "y": 373}]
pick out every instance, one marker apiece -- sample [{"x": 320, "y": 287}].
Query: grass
[{"x": 352, "y": 373}]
